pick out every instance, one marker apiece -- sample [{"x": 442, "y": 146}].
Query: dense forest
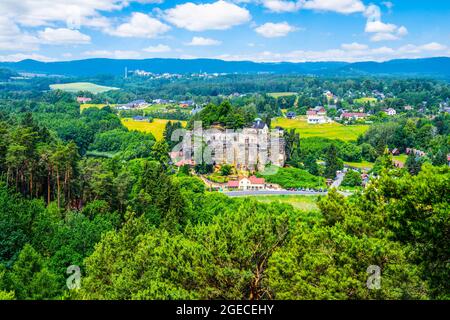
[{"x": 77, "y": 188}]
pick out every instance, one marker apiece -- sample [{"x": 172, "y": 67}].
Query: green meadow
[
  {"x": 329, "y": 130},
  {"x": 75, "y": 87}
]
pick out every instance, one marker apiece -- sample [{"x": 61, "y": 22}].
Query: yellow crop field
[
  {"x": 93, "y": 105},
  {"x": 156, "y": 127},
  {"x": 282, "y": 94},
  {"x": 365, "y": 100},
  {"x": 329, "y": 130}
]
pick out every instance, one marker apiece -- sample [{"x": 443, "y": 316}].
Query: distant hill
[{"x": 434, "y": 67}]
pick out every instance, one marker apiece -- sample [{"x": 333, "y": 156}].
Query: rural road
[
  {"x": 338, "y": 181},
  {"x": 273, "y": 192},
  {"x": 279, "y": 193}
]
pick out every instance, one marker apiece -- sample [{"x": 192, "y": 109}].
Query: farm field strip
[
  {"x": 304, "y": 203},
  {"x": 329, "y": 130},
  {"x": 156, "y": 127},
  {"x": 75, "y": 87}
]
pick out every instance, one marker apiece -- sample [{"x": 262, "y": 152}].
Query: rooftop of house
[
  {"x": 233, "y": 184},
  {"x": 258, "y": 124},
  {"x": 255, "y": 180},
  {"x": 353, "y": 114}
]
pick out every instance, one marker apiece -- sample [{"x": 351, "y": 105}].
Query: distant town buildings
[{"x": 133, "y": 105}]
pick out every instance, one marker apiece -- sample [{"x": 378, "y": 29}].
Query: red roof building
[
  {"x": 356, "y": 115},
  {"x": 233, "y": 184},
  {"x": 255, "y": 180}
]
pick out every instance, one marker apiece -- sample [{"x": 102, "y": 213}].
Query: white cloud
[
  {"x": 282, "y": 5},
  {"x": 115, "y": 54},
  {"x": 275, "y": 30},
  {"x": 380, "y": 27},
  {"x": 340, "y": 6},
  {"x": 383, "y": 31},
  {"x": 354, "y": 46},
  {"x": 384, "y": 37},
  {"x": 433, "y": 46},
  {"x": 140, "y": 26},
  {"x": 344, "y": 54},
  {"x": 63, "y": 36},
  {"x": 158, "y": 49},
  {"x": 13, "y": 39},
  {"x": 45, "y": 12},
  {"x": 200, "y": 41},
  {"x": 22, "y": 56},
  {"x": 402, "y": 31},
  {"x": 220, "y": 15}
]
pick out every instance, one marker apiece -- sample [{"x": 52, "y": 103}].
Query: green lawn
[
  {"x": 401, "y": 158},
  {"x": 360, "y": 165},
  {"x": 281, "y": 94},
  {"x": 81, "y": 86},
  {"x": 303, "y": 203},
  {"x": 329, "y": 130},
  {"x": 365, "y": 100}
]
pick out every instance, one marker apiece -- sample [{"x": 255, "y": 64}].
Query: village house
[
  {"x": 291, "y": 115},
  {"x": 140, "y": 118},
  {"x": 133, "y": 105},
  {"x": 417, "y": 153},
  {"x": 252, "y": 184},
  {"x": 330, "y": 96},
  {"x": 160, "y": 101},
  {"x": 390, "y": 112},
  {"x": 353, "y": 115},
  {"x": 408, "y": 108},
  {"x": 317, "y": 115},
  {"x": 83, "y": 99},
  {"x": 186, "y": 104}
]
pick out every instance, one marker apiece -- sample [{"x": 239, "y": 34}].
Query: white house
[
  {"x": 318, "y": 115},
  {"x": 252, "y": 183},
  {"x": 390, "y": 112}
]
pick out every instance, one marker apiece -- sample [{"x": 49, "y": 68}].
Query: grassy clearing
[
  {"x": 281, "y": 94},
  {"x": 365, "y": 100},
  {"x": 156, "y": 127},
  {"x": 303, "y": 203},
  {"x": 81, "y": 86},
  {"x": 329, "y": 130},
  {"x": 400, "y": 158},
  {"x": 360, "y": 165}
]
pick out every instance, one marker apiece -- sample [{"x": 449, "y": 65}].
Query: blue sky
[{"x": 258, "y": 30}]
